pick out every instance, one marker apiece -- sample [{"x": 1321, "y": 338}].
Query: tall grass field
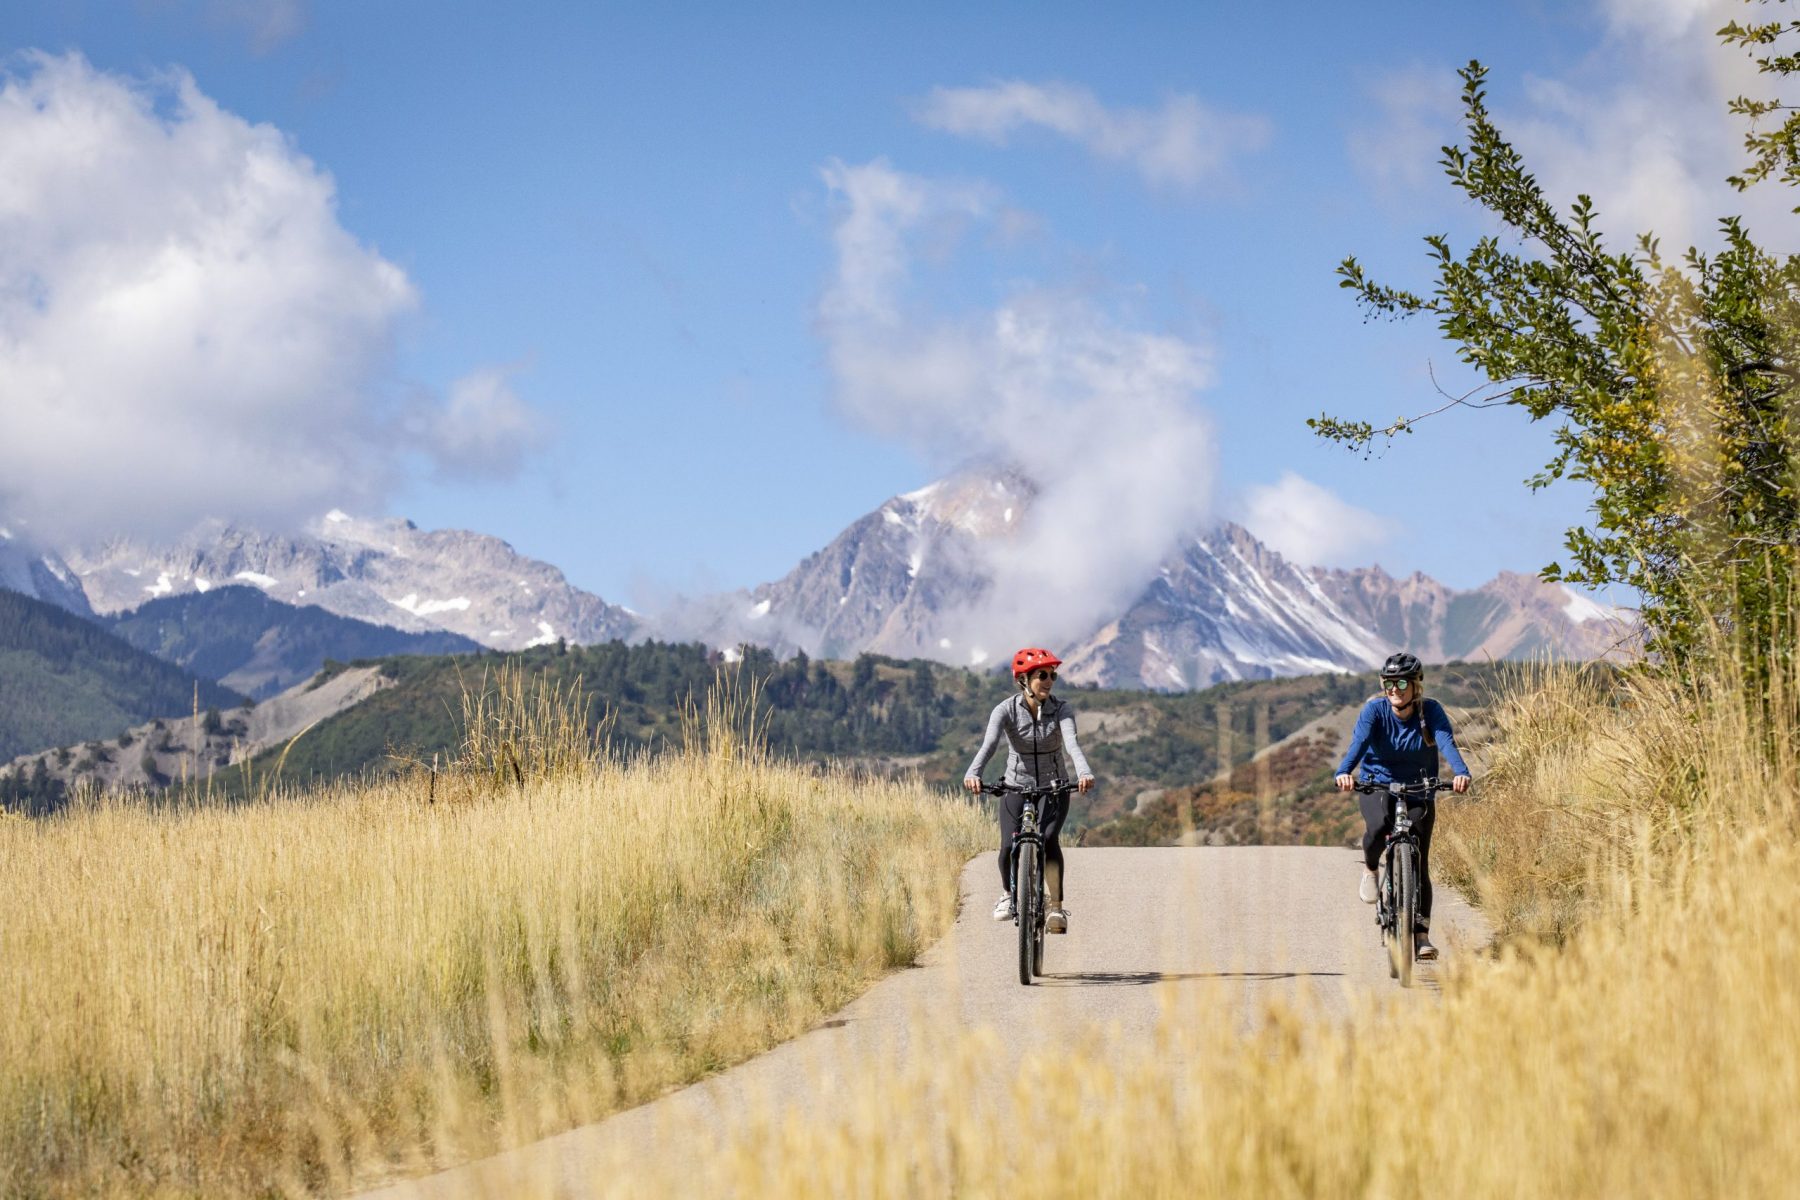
[
  {"x": 1633, "y": 1036},
  {"x": 301, "y": 997},
  {"x": 305, "y": 994}
]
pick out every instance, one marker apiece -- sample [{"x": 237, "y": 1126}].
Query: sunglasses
[
  {"x": 1042, "y": 673},
  {"x": 1396, "y": 685}
]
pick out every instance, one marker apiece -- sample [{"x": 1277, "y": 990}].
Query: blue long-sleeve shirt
[{"x": 1395, "y": 750}]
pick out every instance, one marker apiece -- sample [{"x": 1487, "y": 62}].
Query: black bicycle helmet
[{"x": 1402, "y": 666}]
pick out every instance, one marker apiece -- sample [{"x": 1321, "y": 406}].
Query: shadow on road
[{"x": 1139, "y": 978}]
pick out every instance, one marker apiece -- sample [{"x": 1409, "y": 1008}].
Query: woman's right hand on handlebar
[
  {"x": 973, "y": 783},
  {"x": 1346, "y": 783}
]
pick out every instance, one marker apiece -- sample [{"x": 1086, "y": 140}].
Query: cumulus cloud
[
  {"x": 1100, "y": 416},
  {"x": 185, "y": 328},
  {"x": 1312, "y": 525},
  {"x": 1183, "y": 144},
  {"x": 1641, "y": 125}
]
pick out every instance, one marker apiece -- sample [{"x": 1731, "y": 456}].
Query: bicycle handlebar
[
  {"x": 1423, "y": 787},
  {"x": 1052, "y": 788}
]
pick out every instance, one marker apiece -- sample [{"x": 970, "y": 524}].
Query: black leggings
[
  {"x": 1051, "y": 811},
  {"x": 1378, "y": 818}
]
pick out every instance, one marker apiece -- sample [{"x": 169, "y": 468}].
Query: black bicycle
[
  {"x": 1397, "y": 907},
  {"x": 1031, "y": 905}
]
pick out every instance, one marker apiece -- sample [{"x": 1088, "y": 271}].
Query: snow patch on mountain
[
  {"x": 35, "y": 571},
  {"x": 427, "y": 608},
  {"x": 384, "y": 570},
  {"x": 1582, "y": 609}
]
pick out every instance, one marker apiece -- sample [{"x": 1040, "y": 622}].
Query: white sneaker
[
  {"x": 1367, "y": 891},
  {"x": 1057, "y": 920},
  {"x": 1422, "y": 947},
  {"x": 1004, "y": 911}
]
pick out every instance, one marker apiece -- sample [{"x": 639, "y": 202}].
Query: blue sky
[{"x": 570, "y": 274}]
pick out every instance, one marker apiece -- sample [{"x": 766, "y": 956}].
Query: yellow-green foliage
[{"x": 232, "y": 1001}]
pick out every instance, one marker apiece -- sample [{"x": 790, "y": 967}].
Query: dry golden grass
[
  {"x": 300, "y": 990},
  {"x": 299, "y": 994},
  {"x": 1644, "y": 1047},
  {"x": 1652, "y": 1057}
]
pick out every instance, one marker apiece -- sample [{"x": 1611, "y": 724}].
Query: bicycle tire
[
  {"x": 1406, "y": 896},
  {"x": 1040, "y": 918},
  {"x": 1384, "y": 916},
  {"x": 1025, "y": 887}
]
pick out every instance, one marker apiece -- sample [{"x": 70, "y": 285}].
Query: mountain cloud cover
[
  {"x": 1099, "y": 416},
  {"x": 182, "y": 317}
]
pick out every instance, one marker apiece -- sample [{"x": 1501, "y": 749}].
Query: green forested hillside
[
  {"x": 880, "y": 714},
  {"x": 260, "y": 646},
  {"x": 65, "y": 680}
]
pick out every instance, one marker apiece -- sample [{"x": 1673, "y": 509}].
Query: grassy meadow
[
  {"x": 303, "y": 994},
  {"x": 1633, "y": 1035}
]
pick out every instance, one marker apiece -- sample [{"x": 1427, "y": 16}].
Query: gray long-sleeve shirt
[{"x": 1034, "y": 745}]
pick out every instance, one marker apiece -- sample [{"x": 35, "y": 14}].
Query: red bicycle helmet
[{"x": 1031, "y": 658}]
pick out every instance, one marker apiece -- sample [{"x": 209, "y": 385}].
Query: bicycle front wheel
[
  {"x": 1406, "y": 911},
  {"x": 1025, "y": 893},
  {"x": 1040, "y": 915}
]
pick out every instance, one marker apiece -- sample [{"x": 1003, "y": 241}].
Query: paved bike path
[{"x": 1149, "y": 926}]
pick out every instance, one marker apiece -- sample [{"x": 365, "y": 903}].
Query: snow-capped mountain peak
[
  {"x": 40, "y": 573},
  {"x": 1221, "y": 606},
  {"x": 382, "y": 570}
]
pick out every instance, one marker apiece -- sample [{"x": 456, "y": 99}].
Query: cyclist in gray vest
[{"x": 1038, "y": 728}]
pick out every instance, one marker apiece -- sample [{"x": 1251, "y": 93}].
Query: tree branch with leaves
[{"x": 1671, "y": 385}]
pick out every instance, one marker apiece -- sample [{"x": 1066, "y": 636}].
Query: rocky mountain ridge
[
  {"x": 901, "y": 580},
  {"x": 386, "y": 572},
  {"x": 31, "y": 570},
  {"x": 1220, "y": 606}
]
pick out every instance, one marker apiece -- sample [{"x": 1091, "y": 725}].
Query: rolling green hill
[
  {"x": 65, "y": 680},
  {"x": 880, "y": 715},
  {"x": 260, "y": 646}
]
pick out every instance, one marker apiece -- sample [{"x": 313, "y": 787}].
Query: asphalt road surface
[{"x": 1148, "y": 925}]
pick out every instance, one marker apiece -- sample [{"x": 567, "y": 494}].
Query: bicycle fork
[
  {"x": 1387, "y": 912},
  {"x": 1027, "y": 836}
]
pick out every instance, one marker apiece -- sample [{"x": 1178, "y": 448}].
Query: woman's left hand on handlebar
[
  {"x": 1087, "y": 781},
  {"x": 1460, "y": 783}
]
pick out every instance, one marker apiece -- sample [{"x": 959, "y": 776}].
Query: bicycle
[
  {"x": 1397, "y": 909},
  {"x": 1031, "y": 905}
]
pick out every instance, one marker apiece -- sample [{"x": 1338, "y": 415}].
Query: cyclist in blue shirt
[{"x": 1398, "y": 738}]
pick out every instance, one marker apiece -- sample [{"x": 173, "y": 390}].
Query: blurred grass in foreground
[
  {"x": 1634, "y": 1036},
  {"x": 300, "y": 993}
]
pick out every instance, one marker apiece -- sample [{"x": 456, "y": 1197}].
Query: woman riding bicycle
[
  {"x": 1398, "y": 738},
  {"x": 1038, "y": 728}
]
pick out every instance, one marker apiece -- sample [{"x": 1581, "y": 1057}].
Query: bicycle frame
[
  {"x": 1031, "y": 903},
  {"x": 1397, "y": 900}
]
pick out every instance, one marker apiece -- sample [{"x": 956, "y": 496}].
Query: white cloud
[
  {"x": 1183, "y": 144},
  {"x": 1311, "y": 525},
  {"x": 483, "y": 431},
  {"x": 1640, "y": 125},
  {"x": 185, "y": 328},
  {"x": 1668, "y": 19},
  {"x": 1100, "y": 416},
  {"x": 1416, "y": 114}
]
